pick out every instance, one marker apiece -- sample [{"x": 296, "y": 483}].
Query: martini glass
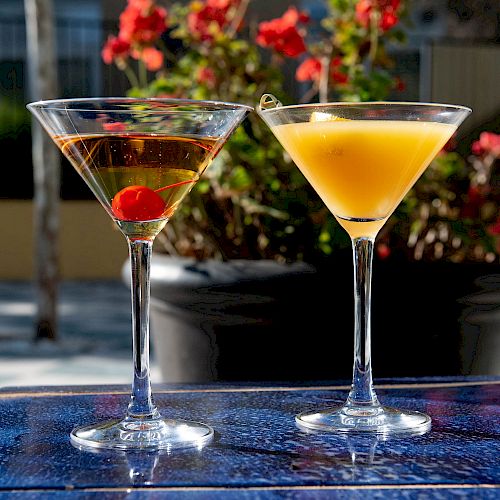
[
  {"x": 362, "y": 158},
  {"x": 140, "y": 158}
]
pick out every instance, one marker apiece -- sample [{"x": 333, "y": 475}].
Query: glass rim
[
  {"x": 58, "y": 104},
  {"x": 373, "y": 104}
]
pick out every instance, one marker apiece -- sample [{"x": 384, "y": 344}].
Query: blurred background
[{"x": 436, "y": 292}]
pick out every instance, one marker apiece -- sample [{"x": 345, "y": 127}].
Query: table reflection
[
  {"x": 350, "y": 456},
  {"x": 146, "y": 467}
]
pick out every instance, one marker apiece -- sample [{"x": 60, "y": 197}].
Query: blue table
[{"x": 258, "y": 452}]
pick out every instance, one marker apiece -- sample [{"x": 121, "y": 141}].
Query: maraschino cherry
[{"x": 138, "y": 203}]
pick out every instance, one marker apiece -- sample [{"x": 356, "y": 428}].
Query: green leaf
[{"x": 240, "y": 179}]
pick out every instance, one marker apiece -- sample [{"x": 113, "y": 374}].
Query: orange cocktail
[{"x": 362, "y": 168}]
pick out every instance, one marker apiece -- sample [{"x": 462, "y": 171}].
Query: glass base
[
  {"x": 142, "y": 434},
  {"x": 381, "y": 420}
]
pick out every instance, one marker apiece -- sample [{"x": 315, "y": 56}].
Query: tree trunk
[{"x": 42, "y": 68}]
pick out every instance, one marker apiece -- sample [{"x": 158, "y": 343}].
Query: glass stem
[
  {"x": 141, "y": 404},
  {"x": 362, "y": 392}
]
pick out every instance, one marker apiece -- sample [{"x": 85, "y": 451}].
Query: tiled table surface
[{"x": 258, "y": 452}]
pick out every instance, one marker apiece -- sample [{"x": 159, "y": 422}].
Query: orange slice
[{"x": 319, "y": 116}]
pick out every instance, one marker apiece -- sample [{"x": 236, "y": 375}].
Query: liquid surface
[
  {"x": 138, "y": 178},
  {"x": 362, "y": 169}
]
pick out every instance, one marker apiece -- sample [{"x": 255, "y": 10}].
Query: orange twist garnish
[{"x": 172, "y": 185}]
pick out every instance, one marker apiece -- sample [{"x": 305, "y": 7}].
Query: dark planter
[
  {"x": 224, "y": 320},
  {"x": 480, "y": 328},
  {"x": 260, "y": 320},
  {"x": 420, "y": 313}
]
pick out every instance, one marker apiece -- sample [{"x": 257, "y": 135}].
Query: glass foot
[
  {"x": 380, "y": 420},
  {"x": 141, "y": 434}
]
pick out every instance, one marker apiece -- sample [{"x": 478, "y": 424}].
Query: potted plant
[
  {"x": 447, "y": 229},
  {"x": 253, "y": 226},
  {"x": 252, "y": 202}
]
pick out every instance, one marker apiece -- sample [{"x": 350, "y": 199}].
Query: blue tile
[
  {"x": 257, "y": 444},
  {"x": 270, "y": 494}
]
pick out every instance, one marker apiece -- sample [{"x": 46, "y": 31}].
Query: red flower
[
  {"x": 152, "y": 58},
  {"x": 488, "y": 143},
  {"x": 388, "y": 20},
  {"x": 476, "y": 148},
  {"x": 282, "y": 34},
  {"x": 206, "y": 21},
  {"x": 336, "y": 62},
  {"x": 383, "y": 251},
  {"x": 292, "y": 17},
  {"x": 399, "y": 84},
  {"x": 476, "y": 197},
  {"x": 494, "y": 229},
  {"x": 114, "y": 127},
  {"x": 363, "y": 11},
  {"x": 286, "y": 41},
  {"x": 139, "y": 26},
  {"x": 337, "y": 74},
  {"x": 115, "y": 49},
  {"x": 221, "y": 4},
  {"x": 206, "y": 76},
  {"x": 340, "y": 77},
  {"x": 388, "y": 4},
  {"x": 143, "y": 5},
  {"x": 386, "y": 8},
  {"x": 309, "y": 69}
]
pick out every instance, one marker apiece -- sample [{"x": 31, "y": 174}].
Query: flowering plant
[
  {"x": 452, "y": 212},
  {"x": 253, "y": 202}
]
